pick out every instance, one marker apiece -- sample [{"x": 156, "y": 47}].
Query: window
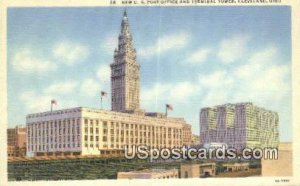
[
  {"x": 104, "y": 124},
  {"x": 186, "y": 175}
]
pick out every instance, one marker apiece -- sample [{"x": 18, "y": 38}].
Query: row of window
[
  {"x": 67, "y": 123},
  {"x": 112, "y": 125},
  {"x": 51, "y": 139},
  {"x": 51, "y": 146},
  {"x": 121, "y": 146},
  {"x": 53, "y": 132}
]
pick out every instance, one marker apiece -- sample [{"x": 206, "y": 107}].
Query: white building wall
[
  {"x": 54, "y": 131},
  {"x": 98, "y": 130}
]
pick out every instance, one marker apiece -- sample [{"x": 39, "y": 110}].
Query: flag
[
  {"x": 103, "y": 93},
  {"x": 169, "y": 107},
  {"x": 53, "y": 101}
]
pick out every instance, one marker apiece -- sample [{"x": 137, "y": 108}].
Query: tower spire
[
  {"x": 125, "y": 72},
  {"x": 125, "y": 30},
  {"x": 125, "y": 13}
]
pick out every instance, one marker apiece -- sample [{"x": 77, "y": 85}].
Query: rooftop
[
  {"x": 95, "y": 110},
  {"x": 149, "y": 171},
  {"x": 233, "y": 105}
]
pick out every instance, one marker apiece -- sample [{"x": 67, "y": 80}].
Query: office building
[
  {"x": 16, "y": 141},
  {"x": 88, "y": 131},
  {"x": 239, "y": 125}
]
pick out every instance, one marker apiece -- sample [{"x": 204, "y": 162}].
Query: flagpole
[
  {"x": 102, "y": 94},
  {"x": 101, "y": 102},
  {"x": 166, "y": 110}
]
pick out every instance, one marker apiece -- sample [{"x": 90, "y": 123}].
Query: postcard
[{"x": 145, "y": 92}]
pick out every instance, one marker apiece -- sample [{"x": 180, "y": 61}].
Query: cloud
[
  {"x": 26, "y": 62},
  {"x": 168, "y": 92},
  {"x": 64, "y": 92},
  {"x": 109, "y": 44},
  {"x": 264, "y": 79},
  {"x": 181, "y": 90},
  {"x": 257, "y": 63},
  {"x": 36, "y": 102},
  {"x": 103, "y": 72},
  {"x": 216, "y": 79},
  {"x": 260, "y": 80},
  {"x": 66, "y": 87},
  {"x": 155, "y": 92},
  {"x": 70, "y": 52},
  {"x": 264, "y": 56},
  {"x": 233, "y": 48},
  {"x": 214, "y": 86},
  {"x": 198, "y": 56},
  {"x": 90, "y": 87},
  {"x": 164, "y": 44}
]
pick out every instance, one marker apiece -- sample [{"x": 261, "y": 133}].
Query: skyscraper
[
  {"x": 125, "y": 72},
  {"x": 239, "y": 125},
  {"x": 89, "y": 131}
]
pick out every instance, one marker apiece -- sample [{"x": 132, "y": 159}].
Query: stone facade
[
  {"x": 233, "y": 167},
  {"x": 239, "y": 125},
  {"x": 87, "y": 131},
  {"x": 149, "y": 174},
  {"x": 125, "y": 73},
  {"x": 16, "y": 142},
  {"x": 197, "y": 170}
]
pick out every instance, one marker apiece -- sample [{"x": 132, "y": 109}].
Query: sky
[{"x": 190, "y": 57}]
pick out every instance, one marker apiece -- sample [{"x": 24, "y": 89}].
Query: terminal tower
[{"x": 125, "y": 73}]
